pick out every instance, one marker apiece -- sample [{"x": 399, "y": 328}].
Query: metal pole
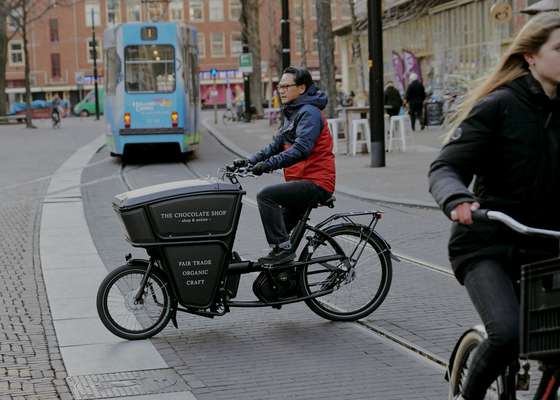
[
  {"x": 96, "y": 90},
  {"x": 285, "y": 25},
  {"x": 375, "y": 66},
  {"x": 215, "y": 93},
  {"x": 246, "y": 87}
]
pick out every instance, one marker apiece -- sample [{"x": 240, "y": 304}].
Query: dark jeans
[
  {"x": 282, "y": 206},
  {"x": 415, "y": 111},
  {"x": 494, "y": 292}
]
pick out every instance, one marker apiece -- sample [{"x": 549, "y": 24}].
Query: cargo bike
[{"x": 343, "y": 271}]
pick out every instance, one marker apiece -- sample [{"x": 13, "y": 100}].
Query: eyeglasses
[{"x": 285, "y": 87}]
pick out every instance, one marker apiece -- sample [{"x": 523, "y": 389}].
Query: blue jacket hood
[{"x": 312, "y": 96}]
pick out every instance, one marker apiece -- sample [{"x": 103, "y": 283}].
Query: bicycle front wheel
[
  {"x": 362, "y": 287},
  {"x": 127, "y": 317},
  {"x": 462, "y": 362}
]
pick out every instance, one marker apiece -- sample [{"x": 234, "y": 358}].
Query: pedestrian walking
[
  {"x": 392, "y": 100},
  {"x": 507, "y": 134},
  {"x": 303, "y": 148},
  {"x": 415, "y": 96}
]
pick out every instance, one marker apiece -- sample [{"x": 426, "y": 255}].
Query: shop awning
[{"x": 542, "y": 6}]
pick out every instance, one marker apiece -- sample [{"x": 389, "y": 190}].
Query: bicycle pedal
[{"x": 524, "y": 378}]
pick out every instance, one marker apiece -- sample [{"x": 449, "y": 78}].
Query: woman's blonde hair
[{"x": 512, "y": 65}]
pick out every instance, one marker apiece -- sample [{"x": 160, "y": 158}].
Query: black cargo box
[
  {"x": 540, "y": 306},
  {"x": 178, "y": 211}
]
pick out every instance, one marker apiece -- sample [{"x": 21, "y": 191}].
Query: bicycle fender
[{"x": 477, "y": 328}]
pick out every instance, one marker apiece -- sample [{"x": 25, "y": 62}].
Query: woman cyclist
[{"x": 507, "y": 135}]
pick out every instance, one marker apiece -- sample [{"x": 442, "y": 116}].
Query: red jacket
[{"x": 319, "y": 167}]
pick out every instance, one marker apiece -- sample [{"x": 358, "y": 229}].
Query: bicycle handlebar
[
  {"x": 488, "y": 215},
  {"x": 232, "y": 172}
]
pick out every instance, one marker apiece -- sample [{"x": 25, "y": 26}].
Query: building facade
[
  {"x": 454, "y": 42},
  {"x": 61, "y": 44}
]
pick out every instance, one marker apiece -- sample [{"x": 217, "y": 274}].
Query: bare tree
[
  {"x": 251, "y": 35},
  {"x": 325, "y": 40},
  {"x": 22, "y": 13},
  {"x": 357, "y": 58},
  {"x": 3, "y": 58},
  {"x": 301, "y": 44}
]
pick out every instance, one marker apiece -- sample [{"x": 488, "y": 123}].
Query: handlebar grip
[{"x": 480, "y": 215}]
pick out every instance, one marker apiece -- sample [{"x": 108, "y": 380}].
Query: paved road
[
  {"x": 291, "y": 353},
  {"x": 31, "y": 366}
]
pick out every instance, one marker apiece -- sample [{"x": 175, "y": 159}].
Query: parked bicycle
[
  {"x": 188, "y": 229},
  {"x": 540, "y": 326}
]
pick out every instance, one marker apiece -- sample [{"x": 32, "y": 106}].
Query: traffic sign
[
  {"x": 213, "y": 72},
  {"x": 246, "y": 63}
]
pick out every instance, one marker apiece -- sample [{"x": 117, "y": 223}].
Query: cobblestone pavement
[{"x": 31, "y": 366}]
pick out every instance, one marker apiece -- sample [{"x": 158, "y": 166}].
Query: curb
[{"x": 345, "y": 190}]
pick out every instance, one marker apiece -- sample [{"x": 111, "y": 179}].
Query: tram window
[
  {"x": 150, "y": 68},
  {"x": 113, "y": 67}
]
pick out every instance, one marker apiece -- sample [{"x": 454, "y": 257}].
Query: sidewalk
[{"x": 402, "y": 181}]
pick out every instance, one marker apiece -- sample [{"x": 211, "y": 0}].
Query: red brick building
[{"x": 61, "y": 45}]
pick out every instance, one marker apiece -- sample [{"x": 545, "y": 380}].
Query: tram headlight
[
  {"x": 126, "y": 120},
  {"x": 174, "y": 119}
]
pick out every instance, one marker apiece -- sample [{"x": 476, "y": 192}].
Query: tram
[{"x": 152, "y": 89}]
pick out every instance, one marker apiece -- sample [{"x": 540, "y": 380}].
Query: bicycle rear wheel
[
  {"x": 124, "y": 316},
  {"x": 462, "y": 362},
  {"x": 360, "y": 290}
]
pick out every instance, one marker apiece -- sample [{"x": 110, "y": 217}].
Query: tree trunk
[
  {"x": 302, "y": 37},
  {"x": 3, "y": 59},
  {"x": 250, "y": 29},
  {"x": 357, "y": 58},
  {"x": 24, "y": 32},
  {"x": 326, "y": 54}
]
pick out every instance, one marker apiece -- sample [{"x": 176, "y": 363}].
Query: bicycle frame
[{"x": 237, "y": 267}]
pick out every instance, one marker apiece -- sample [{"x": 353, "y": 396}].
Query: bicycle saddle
[{"x": 327, "y": 203}]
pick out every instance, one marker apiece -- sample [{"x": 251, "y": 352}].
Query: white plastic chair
[
  {"x": 397, "y": 131},
  {"x": 333, "y": 128},
  {"x": 358, "y": 124}
]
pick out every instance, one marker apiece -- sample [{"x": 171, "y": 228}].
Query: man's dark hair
[{"x": 301, "y": 76}]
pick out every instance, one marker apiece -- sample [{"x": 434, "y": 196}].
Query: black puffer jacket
[{"x": 511, "y": 142}]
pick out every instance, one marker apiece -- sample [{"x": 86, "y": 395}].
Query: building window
[
  {"x": 234, "y": 10},
  {"x": 345, "y": 9},
  {"x": 217, "y": 44},
  {"x": 236, "y": 44},
  {"x": 315, "y": 42},
  {"x": 92, "y": 7},
  {"x": 15, "y": 52},
  {"x": 196, "y": 10},
  {"x": 297, "y": 8},
  {"x": 201, "y": 45},
  {"x": 312, "y": 9},
  {"x": 53, "y": 29},
  {"x": 113, "y": 12},
  {"x": 299, "y": 45},
  {"x": 176, "y": 10},
  {"x": 216, "y": 10},
  {"x": 133, "y": 11},
  {"x": 90, "y": 50},
  {"x": 55, "y": 66}
]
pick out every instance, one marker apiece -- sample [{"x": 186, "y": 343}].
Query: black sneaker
[{"x": 278, "y": 256}]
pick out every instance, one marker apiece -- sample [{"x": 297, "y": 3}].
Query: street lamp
[
  {"x": 96, "y": 90},
  {"x": 375, "y": 66}
]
